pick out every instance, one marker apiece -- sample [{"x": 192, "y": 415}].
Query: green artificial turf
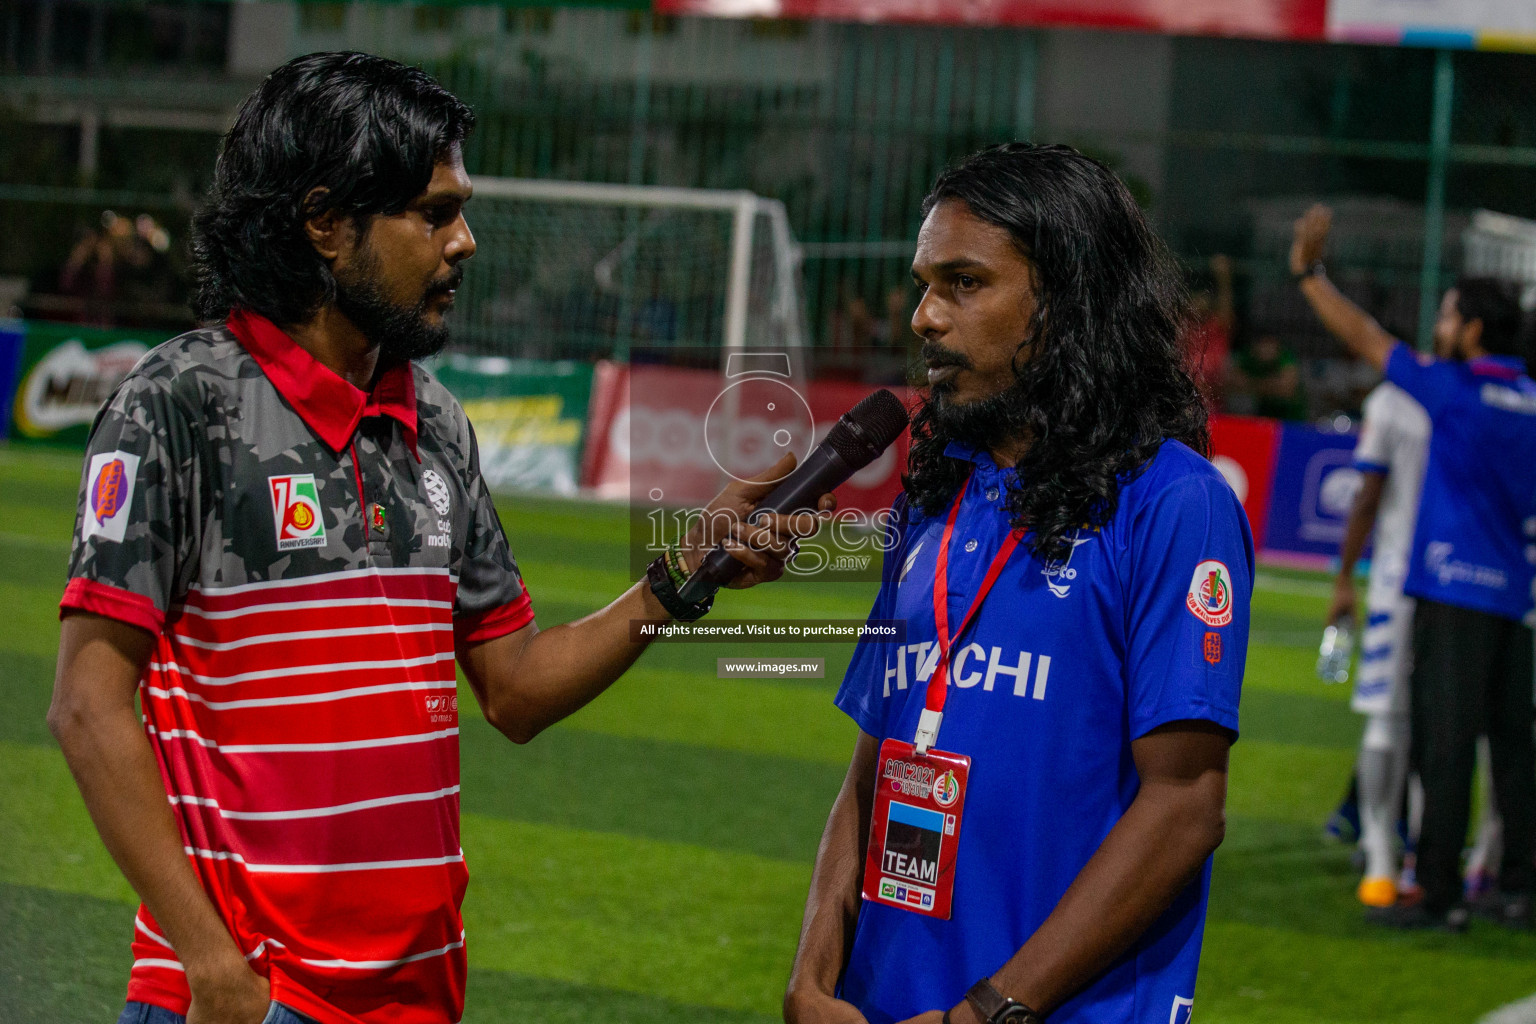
[{"x": 647, "y": 860}]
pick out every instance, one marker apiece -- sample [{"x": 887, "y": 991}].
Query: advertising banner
[
  {"x": 674, "y": 436},
  {"x": 13, "y": 337},
  {"x": 1491, "y": 24},
  {"x": 1267, "y": 19},
  {"x": 67, "y": 373},
  {"x": 528, "y": 415},
  {"x": 651, "y": 444},
  {"x": 1315, "y": 484},
  {"x": 1244, "y": 449}
]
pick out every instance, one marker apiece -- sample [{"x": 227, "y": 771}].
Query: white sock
[{"x": 1383, "y": 766}]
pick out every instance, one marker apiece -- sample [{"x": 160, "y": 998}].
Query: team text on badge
[{"x": 914, "y": 831}]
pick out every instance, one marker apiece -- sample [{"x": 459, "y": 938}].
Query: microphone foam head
[{"x": 868, "y": 428}]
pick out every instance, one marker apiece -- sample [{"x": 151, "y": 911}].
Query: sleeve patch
[
  {"x": 109, "y": 495},
  {"x": 1210, "y": 593}
]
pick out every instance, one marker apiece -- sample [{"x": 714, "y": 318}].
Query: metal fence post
[
  {"x": 1434, "y": 197},
  {"x": 1024, "y": 93},
  {"x": 639, "y": 138}
]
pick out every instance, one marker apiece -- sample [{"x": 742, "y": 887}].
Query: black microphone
[{"x": 855, "y": 440}]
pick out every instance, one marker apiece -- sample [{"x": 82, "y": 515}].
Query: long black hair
[
  {"x": 366, "y": 129},
  {"x": 1103, "y": 383}
]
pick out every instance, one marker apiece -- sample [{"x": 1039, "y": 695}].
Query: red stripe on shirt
[
  {"x": 265, "y": 781},
  {"x": 415, "y": 992},
  {"x": 277, "y": 670},
  {"x": 414, "y": 584},
  {"x": 233, "y": 632},
  {"x": 413, "y": 830},
  {"x": 387, "y": 697}
]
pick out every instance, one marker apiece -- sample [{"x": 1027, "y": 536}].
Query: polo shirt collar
[
  {"x": 987, "y": 470},
  {"x": 969, "y": 453},
  {"x": 330, "y": 406}
]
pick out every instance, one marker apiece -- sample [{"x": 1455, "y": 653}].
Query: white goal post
[{"x": 574, "y": 269}]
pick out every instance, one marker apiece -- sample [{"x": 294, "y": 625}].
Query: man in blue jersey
[
  {"x": 1472, "y": 568},
  {"x": 1046, "y": 755}
]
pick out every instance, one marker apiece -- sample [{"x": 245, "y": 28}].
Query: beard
[
  {"x": 402, "y": 333},
  {"x": 983, "y": 423}
]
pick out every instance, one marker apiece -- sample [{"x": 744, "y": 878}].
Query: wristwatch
[
  {"x": 996, "y": 1008},
  {"x": 662, "y": 585},
  {"x": 1314, "y": 269}
]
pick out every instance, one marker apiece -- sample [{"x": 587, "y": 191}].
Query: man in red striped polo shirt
[{"x": 283, "y": 544}]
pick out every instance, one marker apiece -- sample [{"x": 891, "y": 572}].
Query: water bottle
[{"x": 1334, "y": 652}]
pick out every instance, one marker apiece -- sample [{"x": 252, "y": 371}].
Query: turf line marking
[{"x": 1522, "y": 1011}]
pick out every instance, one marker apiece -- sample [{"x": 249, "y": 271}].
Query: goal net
[{"x": 568, "y": 269}]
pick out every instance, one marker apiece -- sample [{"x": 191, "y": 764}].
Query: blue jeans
[{"x": 144, "y": 1013}]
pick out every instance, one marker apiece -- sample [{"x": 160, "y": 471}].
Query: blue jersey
[
  {"x": 1476, "y": 538},
  {"x": 1145, "y": 623}
]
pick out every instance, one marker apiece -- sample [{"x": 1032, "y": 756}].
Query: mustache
[
  {"x": 936, "y": 355},
  {"x": 449, "y": 282}
]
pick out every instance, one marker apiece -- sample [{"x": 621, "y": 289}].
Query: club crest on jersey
[
  {"x": 437, "y": 491},
  {"x": 108, "y": 495},
  {"x": 1210, "y": 593},
  {"x": 296, "y": 512},
  {"x": 1183, "y": 1010}
]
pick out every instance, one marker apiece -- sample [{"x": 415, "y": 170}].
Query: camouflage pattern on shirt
[{"x": 210, "y": 431}]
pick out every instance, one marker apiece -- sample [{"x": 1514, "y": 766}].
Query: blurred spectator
[
  {"x": 118, "y": 270},
  {"x": 1265, "y": 380},
  {"x": 90, "y": 275},
  {"x": 1208, "y": 343},
  {"x": 898, "y": 317},
  {"x": 851, "y": 325}
]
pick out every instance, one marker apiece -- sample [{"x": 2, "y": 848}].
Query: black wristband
[
  {"x": 1314, "y": 269},
  {"x": 660, "y": 581}
]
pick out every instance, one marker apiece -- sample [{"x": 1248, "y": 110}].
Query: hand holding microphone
[
  {"x": 780, "y": 517},
  {"x": 757, "y": 546}
]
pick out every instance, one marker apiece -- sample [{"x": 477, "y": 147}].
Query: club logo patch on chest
[
  {"x": 437, "y": 492},
  {"x": 1210, "y": 593},
  {"x": 296, "y": 512}
]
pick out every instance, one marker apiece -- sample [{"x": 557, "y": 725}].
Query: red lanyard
[{"x": 938, "y": 688}]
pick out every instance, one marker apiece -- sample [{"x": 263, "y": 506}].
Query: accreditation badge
[{"x": 914, "y": 830}]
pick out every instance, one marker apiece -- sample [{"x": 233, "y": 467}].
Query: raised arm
[
  {"x": 1160, "y": 844},
  {"x": 1360, "y": 333},
  {"x": 94, "y": 719},
  {"x": 832, "y": 907}
]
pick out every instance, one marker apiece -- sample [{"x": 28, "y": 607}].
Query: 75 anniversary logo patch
[{"x": 296, "y": 512}]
